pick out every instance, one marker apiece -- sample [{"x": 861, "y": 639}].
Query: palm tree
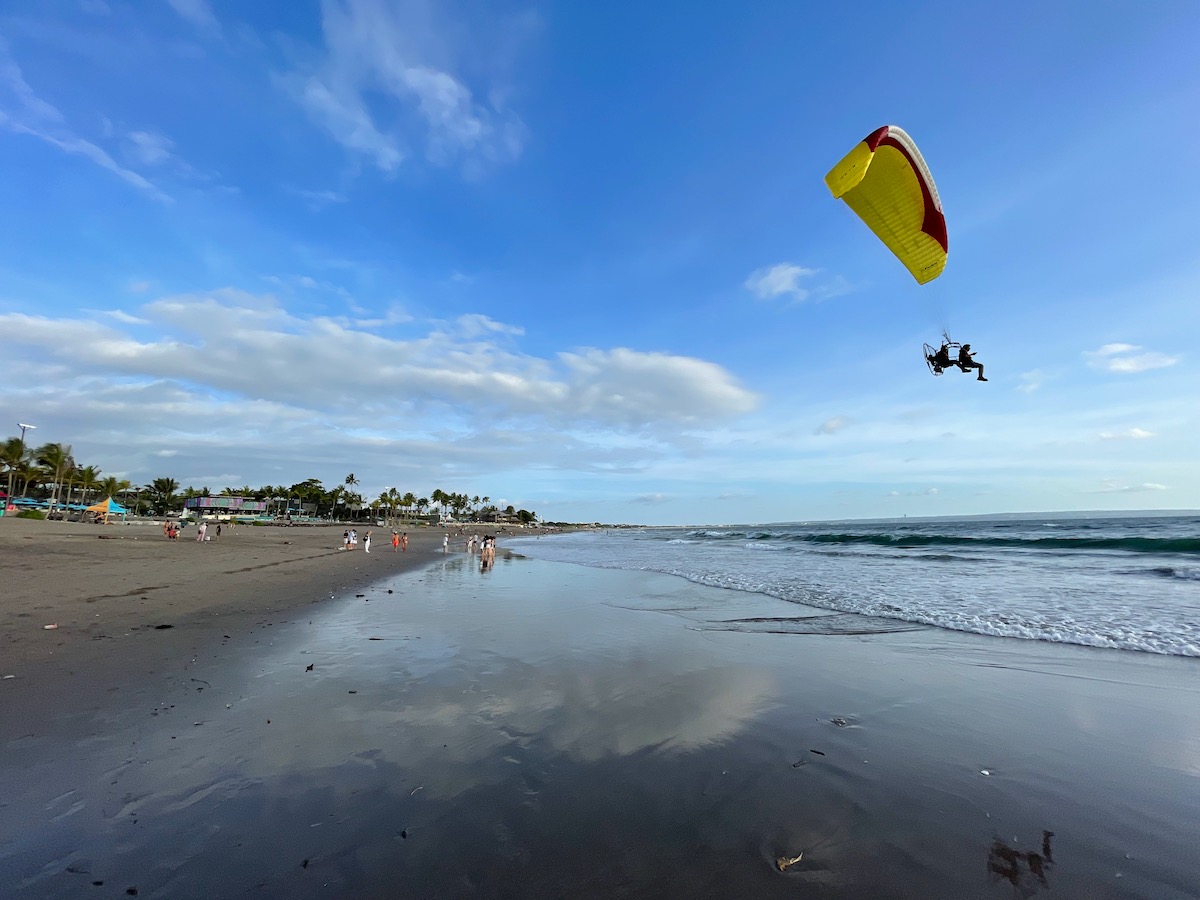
[
  {"x": 12, "y": 455},
  {"x": 439, "y": 497},
  {"x": 111, "y": 486},
  {"x": 136, "y": 490},
  {"x": 422, "y": 505},
  {"x": 88, "y": 478},
  {"x": 163, "y": 490},
  {"x": 57, "y": 461},
  {"x": 408, "y": 501}
]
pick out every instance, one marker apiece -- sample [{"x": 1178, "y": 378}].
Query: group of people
[
  {"x": 171, "y": 531},
  {"x": 965, "y": 362},
  {"x": 486, "y": 546},
  {"x": 399, "y": 541},
  {"x": 350, "y": 540}
]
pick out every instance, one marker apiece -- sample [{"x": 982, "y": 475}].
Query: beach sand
[{"x": 545, "y": 730}]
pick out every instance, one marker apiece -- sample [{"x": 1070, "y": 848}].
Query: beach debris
[
  {"x": 818, "y": 752},
  {"x": 6, "y": 677},
  {"x": 390, "y": 591},
  {"x": 360, "y": 595},
  {"x": 800, "y": 762},
  {"x": 784, "y": 863},
  {"x": 404, "y": 834},
  {"x": 414, "y": 790},
  {"x": 50, "y": 627},
  {"x": 839, "y": 722},
  {"x": 351, "y": 692},
  {"x": 97, "y": 884},
  {"x": 199, "y": 681},
  {"x": 309, "y": 667},
  {"x": 374, "y": 639},
  {"x": 304, "y": 865},
  {"x": 163, "y": 628},
  {"x": 984, "y": 772},
  {"x": 131, "y": 891}
]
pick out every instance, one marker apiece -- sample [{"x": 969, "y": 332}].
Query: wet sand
[
  {"x": 107, "y": 583},
  {"x": 548, "y": 730}
]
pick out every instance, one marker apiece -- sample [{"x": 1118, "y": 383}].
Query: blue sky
[{"x": 580, "y": 257}]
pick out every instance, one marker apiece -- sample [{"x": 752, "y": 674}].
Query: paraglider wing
[{"x": 886, "y": 182}]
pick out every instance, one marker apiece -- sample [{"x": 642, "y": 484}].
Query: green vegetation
[{"x": 50, "y": 473}]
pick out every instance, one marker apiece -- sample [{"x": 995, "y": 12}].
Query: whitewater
[{"x": 1122, "y": 582}]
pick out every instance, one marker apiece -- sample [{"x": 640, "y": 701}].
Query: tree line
[{"x": 50, "y": 473}]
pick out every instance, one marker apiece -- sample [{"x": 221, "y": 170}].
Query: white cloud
[
  {"x": 475, "y": 325},
  {"x": 1111, "y": 486},
  {"x": 1136, "y": 434},
  {"x": 247, "y": 346},
  {"x": 149, "y": 148},
  {"x": 34, "y": 117},
  {"x": 121, "y": 316},
  {"x": 927, "y": 492},
  {"x": 320, "y": 199},
  {"x": 832, "y": 426},
  {"x": 386, "y": 81},
  {"x": 1031, "y": 381},
  {"x": 344, "y": 115},
  {"x": 198, "y": 12},
  {"x": 777, "y": 280},
  {"x": 636, "y": 389},
  {"x": 652, "y": 499},
  {"x": 95, "y": 7},
  {"x": 1125, "y": 359}
]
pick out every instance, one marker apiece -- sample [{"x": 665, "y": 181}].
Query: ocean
[{"x": 1124, "y": 582}]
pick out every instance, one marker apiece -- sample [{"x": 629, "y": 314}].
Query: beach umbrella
[{"x": 108, "y": 507}]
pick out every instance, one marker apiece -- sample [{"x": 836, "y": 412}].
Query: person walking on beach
[
  {"x": 404, "y": 541},
  {"x": 395, "y": 541},
  {"x": 200, "y": 532},
  {"x": 353, "y": 538},
  {"x": 346, "y": 539},
  {"x": 367, "y": 542},
  {"x": 446, "y": 542},
  {"x": 218, "y": 531}
]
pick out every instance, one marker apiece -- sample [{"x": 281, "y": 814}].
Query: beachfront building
[{"x": 224, "y": 507}]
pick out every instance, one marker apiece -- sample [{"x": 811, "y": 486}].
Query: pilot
[{"x": 966, "y": 361}]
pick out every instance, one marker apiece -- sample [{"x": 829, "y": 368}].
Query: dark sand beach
[{"x": 317, "y": 725}]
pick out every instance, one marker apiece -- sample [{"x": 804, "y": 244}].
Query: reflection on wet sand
[
  {"x": 517, "y": 732},
  {"x": 1025, "y": 870}
]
